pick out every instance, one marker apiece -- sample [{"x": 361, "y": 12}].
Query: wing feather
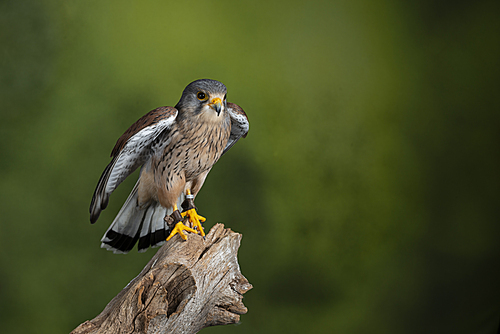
[
  {"x": 239, "y": 125},
  {"x": 131, "y": 151}
]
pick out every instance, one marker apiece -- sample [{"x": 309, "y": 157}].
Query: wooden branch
[{"x": 186, "y": 286}]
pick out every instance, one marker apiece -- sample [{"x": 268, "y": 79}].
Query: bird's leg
[
  {"x": 190, "y": 212},
  {"x": 179, "y": 226}
]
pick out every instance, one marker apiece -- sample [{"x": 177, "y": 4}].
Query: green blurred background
[{"x": 366, "y": 190}]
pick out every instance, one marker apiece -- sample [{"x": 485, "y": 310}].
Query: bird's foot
[
  {"x": 179, "y": 226},
  {"x": 195, "y": 219}
]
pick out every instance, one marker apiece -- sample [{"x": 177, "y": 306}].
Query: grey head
[{"x": 202, "y": 95}]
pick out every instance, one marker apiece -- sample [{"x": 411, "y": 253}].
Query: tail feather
[
  {"x": 154, "y": 225},
  {"x": 146, "y": 230},
  {"x": 134, "y": 223},
  {"x": 131, "y": 222},
  {"x": 122, "y": 234}
]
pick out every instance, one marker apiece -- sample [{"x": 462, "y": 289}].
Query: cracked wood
[{"x": 186, "y": 286}]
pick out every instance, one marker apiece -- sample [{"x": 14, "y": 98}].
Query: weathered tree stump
[{"x": 186, "y": 286}]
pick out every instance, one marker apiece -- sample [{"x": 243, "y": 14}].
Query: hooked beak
[{"x": 216, "y": 104}]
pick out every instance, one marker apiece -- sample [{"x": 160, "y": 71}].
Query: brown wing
[
  {"x": 151, "y": 118},
  {"x": 131, "y": 151}
]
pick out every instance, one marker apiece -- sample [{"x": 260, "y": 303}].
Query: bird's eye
[
  {"x": 225, "y": 97},
  {"x": 201, "y": 96}
]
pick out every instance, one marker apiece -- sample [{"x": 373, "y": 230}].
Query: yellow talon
[
  {"x": 195, "y": 219},
  {"x": 179, "y": 227}
]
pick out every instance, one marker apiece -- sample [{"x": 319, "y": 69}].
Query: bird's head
[{"x": 203, "y": 97}]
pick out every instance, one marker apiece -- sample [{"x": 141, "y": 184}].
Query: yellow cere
[{"x": 216, "y": 100}]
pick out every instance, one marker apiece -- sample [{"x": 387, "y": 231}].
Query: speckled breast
[{"x": 206, "y": 147}]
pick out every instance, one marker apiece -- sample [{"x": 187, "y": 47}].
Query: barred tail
[{"x": 133, "y": 223}]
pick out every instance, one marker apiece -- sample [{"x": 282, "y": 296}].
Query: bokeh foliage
[{"x": 366, "y": 191}]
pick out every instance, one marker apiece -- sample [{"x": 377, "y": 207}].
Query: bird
[{"x": 175, "y": 148}]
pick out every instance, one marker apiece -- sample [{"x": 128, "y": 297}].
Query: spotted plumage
[{"x": 176, "y": 149}]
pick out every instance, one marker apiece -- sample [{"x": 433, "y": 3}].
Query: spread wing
[
  {"x": 131, "y": 151},
  {"x": 239, "y": 125}
]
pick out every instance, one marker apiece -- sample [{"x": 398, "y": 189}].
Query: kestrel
[{"x": 175, "y": 148}]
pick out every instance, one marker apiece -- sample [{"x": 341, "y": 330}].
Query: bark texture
[{"x": 186, "y": 286}]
